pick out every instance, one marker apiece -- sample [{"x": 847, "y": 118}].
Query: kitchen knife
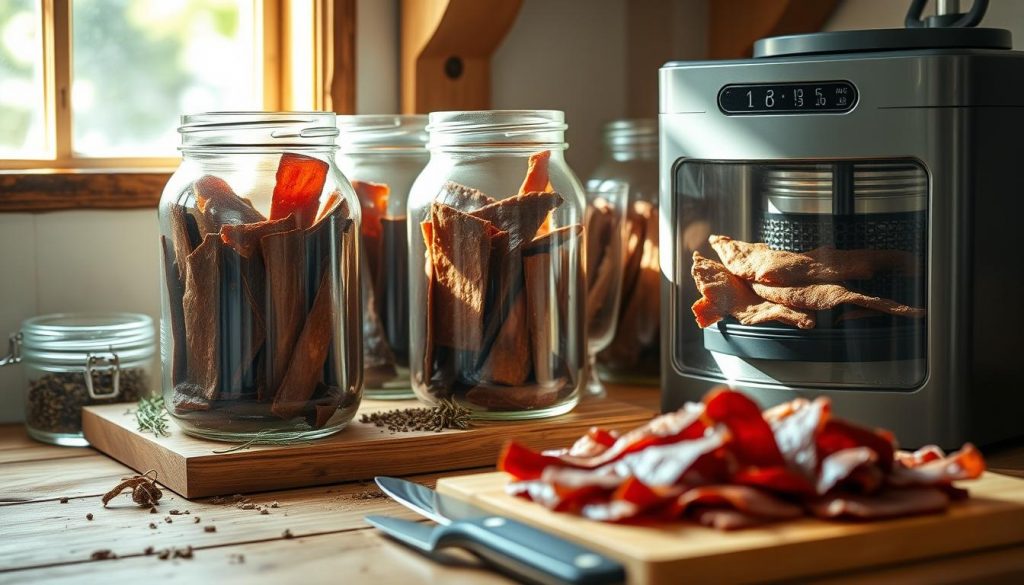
[{"x": 512, "y": 546}]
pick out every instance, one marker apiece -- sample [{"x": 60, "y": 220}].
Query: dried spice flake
[
  {"x": 210, "y": 528},
  {"x": 446, "y": 415}
]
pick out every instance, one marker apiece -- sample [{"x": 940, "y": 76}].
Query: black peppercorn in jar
[{"x": 81, "y": 359}]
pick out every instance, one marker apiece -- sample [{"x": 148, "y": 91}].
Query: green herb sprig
[{"x": 151, "y": 416}]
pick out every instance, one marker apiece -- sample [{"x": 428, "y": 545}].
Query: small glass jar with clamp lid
[{"x": 73, "y": 360}]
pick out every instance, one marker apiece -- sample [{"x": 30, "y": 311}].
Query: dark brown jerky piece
[
  {"x": 307, "y": 362},
  {"x": 600, "y": 219},
  {"x": 461, "y": 197},
  {"x": 286, "y": 300},
  {"x": 515, "y": 398},
  {"x": 548, "y": 312},
  {"x": 325, "y": 402},
  {"x": 201, "y": 305},
  {"x": 326, "y": 242},
  {"x": 638, "y": 298},
  {"x": 245, "y": 238},
  {"x": 641, "y": 317},
  {"x": 391, "y": 286},
  {"x": 241, "y": 324},
  {"x": 184, "y": 235},
  {"x": 218, "y": 205},
  {"x": 521, "y": 216},
  {"x": 506, "y": 343},
  {"x": 189, "y": 398},
  {"x": 377, "y": 356},
  {"x": 461, "y": 250},
  {"x": 427, "y": 229},
  {"x": 175, "y": 294}
]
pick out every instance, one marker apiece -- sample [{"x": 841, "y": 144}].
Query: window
[{"x": 102, "y": 83}]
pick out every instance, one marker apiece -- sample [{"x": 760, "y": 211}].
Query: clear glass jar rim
[
  {"x": 631, "y": 132},
  {"x": 395, "y": 133},
  {"x": 499, "y": 128},
  {"x": 268, "y": 129}
]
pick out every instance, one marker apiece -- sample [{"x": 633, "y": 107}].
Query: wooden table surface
[{"x": 314, "y": 535}]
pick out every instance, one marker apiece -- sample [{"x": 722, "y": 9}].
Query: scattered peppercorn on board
[{"x": 193, "y": 468}]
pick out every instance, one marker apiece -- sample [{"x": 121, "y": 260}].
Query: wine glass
[{"x": 605, "y": 223}]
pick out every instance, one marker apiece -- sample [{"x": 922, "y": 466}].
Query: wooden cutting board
[
  {"x": 193, "y": 469},
  {"x": 684, "y": 552}
]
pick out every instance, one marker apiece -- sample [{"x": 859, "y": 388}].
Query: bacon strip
[
  {"x": 819, "y": 297},
  {"x": 725, "y": 294},
  {"x": 759, "y": 263}
]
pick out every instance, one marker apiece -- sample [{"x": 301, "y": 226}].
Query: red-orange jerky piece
[{"x": 300, "y": 180}]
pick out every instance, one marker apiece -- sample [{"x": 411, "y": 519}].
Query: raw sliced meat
[
  {"x": 725, "y": 294},
  {"x": 967, "y": 463},
  {"x": 890, "y": 503}
]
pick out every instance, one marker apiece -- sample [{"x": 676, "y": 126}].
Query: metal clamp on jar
[{"x": 76, "y": 360}]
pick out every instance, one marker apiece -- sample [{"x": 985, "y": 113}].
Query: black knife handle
[{"x": 530, "y": 553}]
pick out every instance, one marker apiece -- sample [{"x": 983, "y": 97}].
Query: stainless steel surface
[
  {"x": 416, "y": 497},
  {"x": 415, "y": 534},
  {"x": 960, "y": 114},
  {"x": 947, "y": 7},
  {"x": 878, "y": 188},
  {"x": 13, "y": 350}
]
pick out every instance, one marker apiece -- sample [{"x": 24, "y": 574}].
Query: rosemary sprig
[{"x": 151, "y": 415}]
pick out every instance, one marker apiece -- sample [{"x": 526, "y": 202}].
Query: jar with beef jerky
[
  {"x": 495, "y": 266},
  {"x": 631, "y": 157},
  {"x": 261, "y": 331},
  {"x": 73, "y": 360},
  {"x": 382, "y": 155}
]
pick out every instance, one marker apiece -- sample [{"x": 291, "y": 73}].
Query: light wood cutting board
[
  {"x": 672, "y": 553},
  {"x": 193, "y": 468}
]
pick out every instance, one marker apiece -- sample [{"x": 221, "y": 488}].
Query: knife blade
[{"x": 512, "y": 546}]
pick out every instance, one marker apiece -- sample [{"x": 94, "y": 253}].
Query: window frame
[{"x": 282, "y": 32}]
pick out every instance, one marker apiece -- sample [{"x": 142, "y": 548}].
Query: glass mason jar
[
  {"x": 81, "y": 359},
  {"x": 382, "y": 155},
  {"x": 631, "y": 157},
  {"x": 260, "y": 336},
  {"x": 495, "y": 273}
]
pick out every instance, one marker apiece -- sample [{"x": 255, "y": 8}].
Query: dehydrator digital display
[{"x": 788, "y": 98}]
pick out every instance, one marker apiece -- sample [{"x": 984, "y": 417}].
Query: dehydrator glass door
[{"x": 801, "y": 273}]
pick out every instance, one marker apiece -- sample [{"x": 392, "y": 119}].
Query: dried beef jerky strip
[
  {"x": 241, "y": 326},
  {"x": 505, "y": 340},
  {"x": 286, "y": 300},
  {"x": 334, "y": 203},
  {"x": 201, "y": 305},
  {"x": 218, "y": 205},
  {"x": 189, "y": 397},
  {"x": 536, "y": 173},
  {"x": 184, "y": 235},
  {"x": 373, "y": 199},
  {"x": 820, "y": 297},
  {"x": 600, "y": 220},
  {"x": 175, "y": 293},
  {"x": 461, "y": 197},
  {"x": 245, "y": 238},
  {"x": 392, "y": 286},
  {"x": 515, "y": 398},
  {"x": 546, "y": 306},
  {"x": 637, "y": 297},
  {"x": 324, "y": 243},
  {"x": 427, "y": 229},
  {"x": 521, "y": 215},
  {"x": 326, "y": 401},
  {"x": 460, "y": 250},
  {"x": 757, "y": 262},
  {"x": 725, "y": 294},
  {"x": 305, "y": 368},
  {"x": 300, "y": 180}
]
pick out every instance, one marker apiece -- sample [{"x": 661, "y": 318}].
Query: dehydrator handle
[{"x": 952, "y": 20}]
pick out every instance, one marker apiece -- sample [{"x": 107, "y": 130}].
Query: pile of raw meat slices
[{"x": 726, "y": 464}]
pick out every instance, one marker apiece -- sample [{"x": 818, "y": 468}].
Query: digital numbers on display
[{"x": 788, "y": 98}]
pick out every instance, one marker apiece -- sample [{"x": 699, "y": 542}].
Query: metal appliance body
[{"x": 956, "y": 113}]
